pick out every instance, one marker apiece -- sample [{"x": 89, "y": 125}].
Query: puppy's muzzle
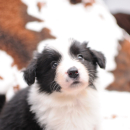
[{"x": 73, "y": 73}]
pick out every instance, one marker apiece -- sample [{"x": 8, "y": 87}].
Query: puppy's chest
[{"x": 76, "y": 117}]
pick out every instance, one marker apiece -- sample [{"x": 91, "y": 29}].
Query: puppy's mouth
[{"x": 75, "y": 83}]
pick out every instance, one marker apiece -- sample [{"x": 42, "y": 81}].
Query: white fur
[{"x": 62, "y": 112}]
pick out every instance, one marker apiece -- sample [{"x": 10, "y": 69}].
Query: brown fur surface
[
  {"x": 122, "y": 71},
  {"x": 123, "y": 20},
  {"x": 15, "y": 39}
]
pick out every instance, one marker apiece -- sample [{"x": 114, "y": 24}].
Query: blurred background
[
  {"x": 118, "y": 6},
  {"x": 26, "y": 25}
]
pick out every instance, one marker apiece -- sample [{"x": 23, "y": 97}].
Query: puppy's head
[{"x": 64, "y": 68}]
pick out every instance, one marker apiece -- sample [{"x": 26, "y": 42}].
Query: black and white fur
[{"x": 61, "y": 94}]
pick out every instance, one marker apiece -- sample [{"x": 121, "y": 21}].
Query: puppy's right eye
[
  {"x": 54, "y": 64},
  {"x": 80, "y": 57}
]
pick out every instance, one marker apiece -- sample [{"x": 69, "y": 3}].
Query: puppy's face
[{"x": 68, "y": 69}]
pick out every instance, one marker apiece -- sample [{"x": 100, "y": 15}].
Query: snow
[
  {"x": 37, "y": 26},
  {"x": 116, "y": 6},
  {"x": 10, "y": 74},
  {"x": 115, "y": 109}
]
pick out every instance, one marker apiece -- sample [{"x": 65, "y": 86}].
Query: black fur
[
  {"x": 44, "y": 73},
  {"x": 30, "y": 73},
  {"x": 99, "y": 58},
  {"x": 40, "y": 68},
  {"x": 2, "y": 101},
  {"x": 16, "y": 114}
]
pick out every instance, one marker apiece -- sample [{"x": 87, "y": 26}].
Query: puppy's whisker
[
  {"x": 92, "y": 76},
  {"x": 92, "y": 71},
  {"x": 52, "y": 84},
  {"x": 55, "y": 87}
]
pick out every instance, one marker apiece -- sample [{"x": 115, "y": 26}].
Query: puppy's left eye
[
  {"x": 80, "y": 57},
  {"x": 54, "y": 64}
]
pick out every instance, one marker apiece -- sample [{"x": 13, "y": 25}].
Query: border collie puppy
[{"x": 61, "y": 93}]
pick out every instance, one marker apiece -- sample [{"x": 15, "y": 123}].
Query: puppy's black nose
[{"x": 73, "y": 72}]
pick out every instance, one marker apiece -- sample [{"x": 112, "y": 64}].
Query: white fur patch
[{"x": 62, "y": 112}]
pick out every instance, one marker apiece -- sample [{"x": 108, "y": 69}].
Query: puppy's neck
[
  {"x": 59, "y": 99},
  {"x": 53, "y": 109}
]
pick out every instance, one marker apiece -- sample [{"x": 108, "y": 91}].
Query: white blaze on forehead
[
  {"x": 60, "y": 45},
  {"x": 63, "y": 47}
]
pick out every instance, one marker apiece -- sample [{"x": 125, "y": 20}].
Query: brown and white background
[{"x": 26, "y": 25}]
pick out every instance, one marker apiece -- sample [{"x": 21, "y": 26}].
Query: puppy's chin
[{"x": 74, "y": 88}]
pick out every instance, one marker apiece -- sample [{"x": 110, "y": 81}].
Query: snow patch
[{"x": 11, "y": 75}]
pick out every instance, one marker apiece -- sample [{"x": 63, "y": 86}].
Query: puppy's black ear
[
  {"x": 99, "y": 58},
  {"x": 30, "y": 73}
]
